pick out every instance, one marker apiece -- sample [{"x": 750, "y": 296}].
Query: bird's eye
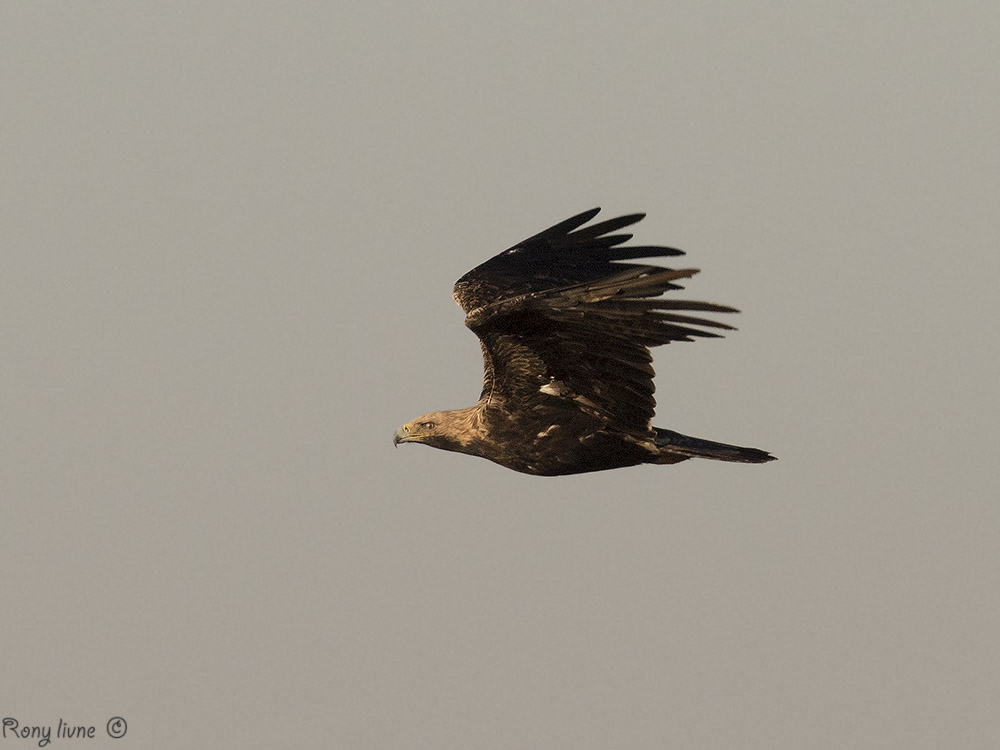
[{"x": 427, "y": 425}]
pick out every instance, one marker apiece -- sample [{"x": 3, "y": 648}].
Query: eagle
[{"x": 566, "y": 329}]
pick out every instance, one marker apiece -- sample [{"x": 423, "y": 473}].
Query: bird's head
[
  {"x": 454, "y": 430},
  {"x": 423, "y": 429}
]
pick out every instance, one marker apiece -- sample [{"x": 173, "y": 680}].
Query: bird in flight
[{"x": 566, "y": 330}]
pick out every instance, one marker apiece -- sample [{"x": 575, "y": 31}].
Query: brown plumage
[{"x": 565, "y": 328}]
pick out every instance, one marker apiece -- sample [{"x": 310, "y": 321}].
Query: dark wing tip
[
  {"x": 568, "y": 225},
  {"x": 604, "y": 227}
]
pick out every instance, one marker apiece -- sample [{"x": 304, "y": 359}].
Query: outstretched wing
[
  {"x": 562, "y": 324},
  {"x": 557, "y": 257}
]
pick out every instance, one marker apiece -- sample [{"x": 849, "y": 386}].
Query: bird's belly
[{"x": 557, "y": 452}]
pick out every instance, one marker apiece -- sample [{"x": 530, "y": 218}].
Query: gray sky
[{"x": 229, "y": 237}]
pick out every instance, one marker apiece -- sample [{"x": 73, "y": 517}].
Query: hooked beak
[{"x": 400, "y": 436}]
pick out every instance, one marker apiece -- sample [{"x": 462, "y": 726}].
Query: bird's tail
[{"x": 676, "y": 447}]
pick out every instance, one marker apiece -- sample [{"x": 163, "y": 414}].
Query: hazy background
[{"x": 229, "y": 234}]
